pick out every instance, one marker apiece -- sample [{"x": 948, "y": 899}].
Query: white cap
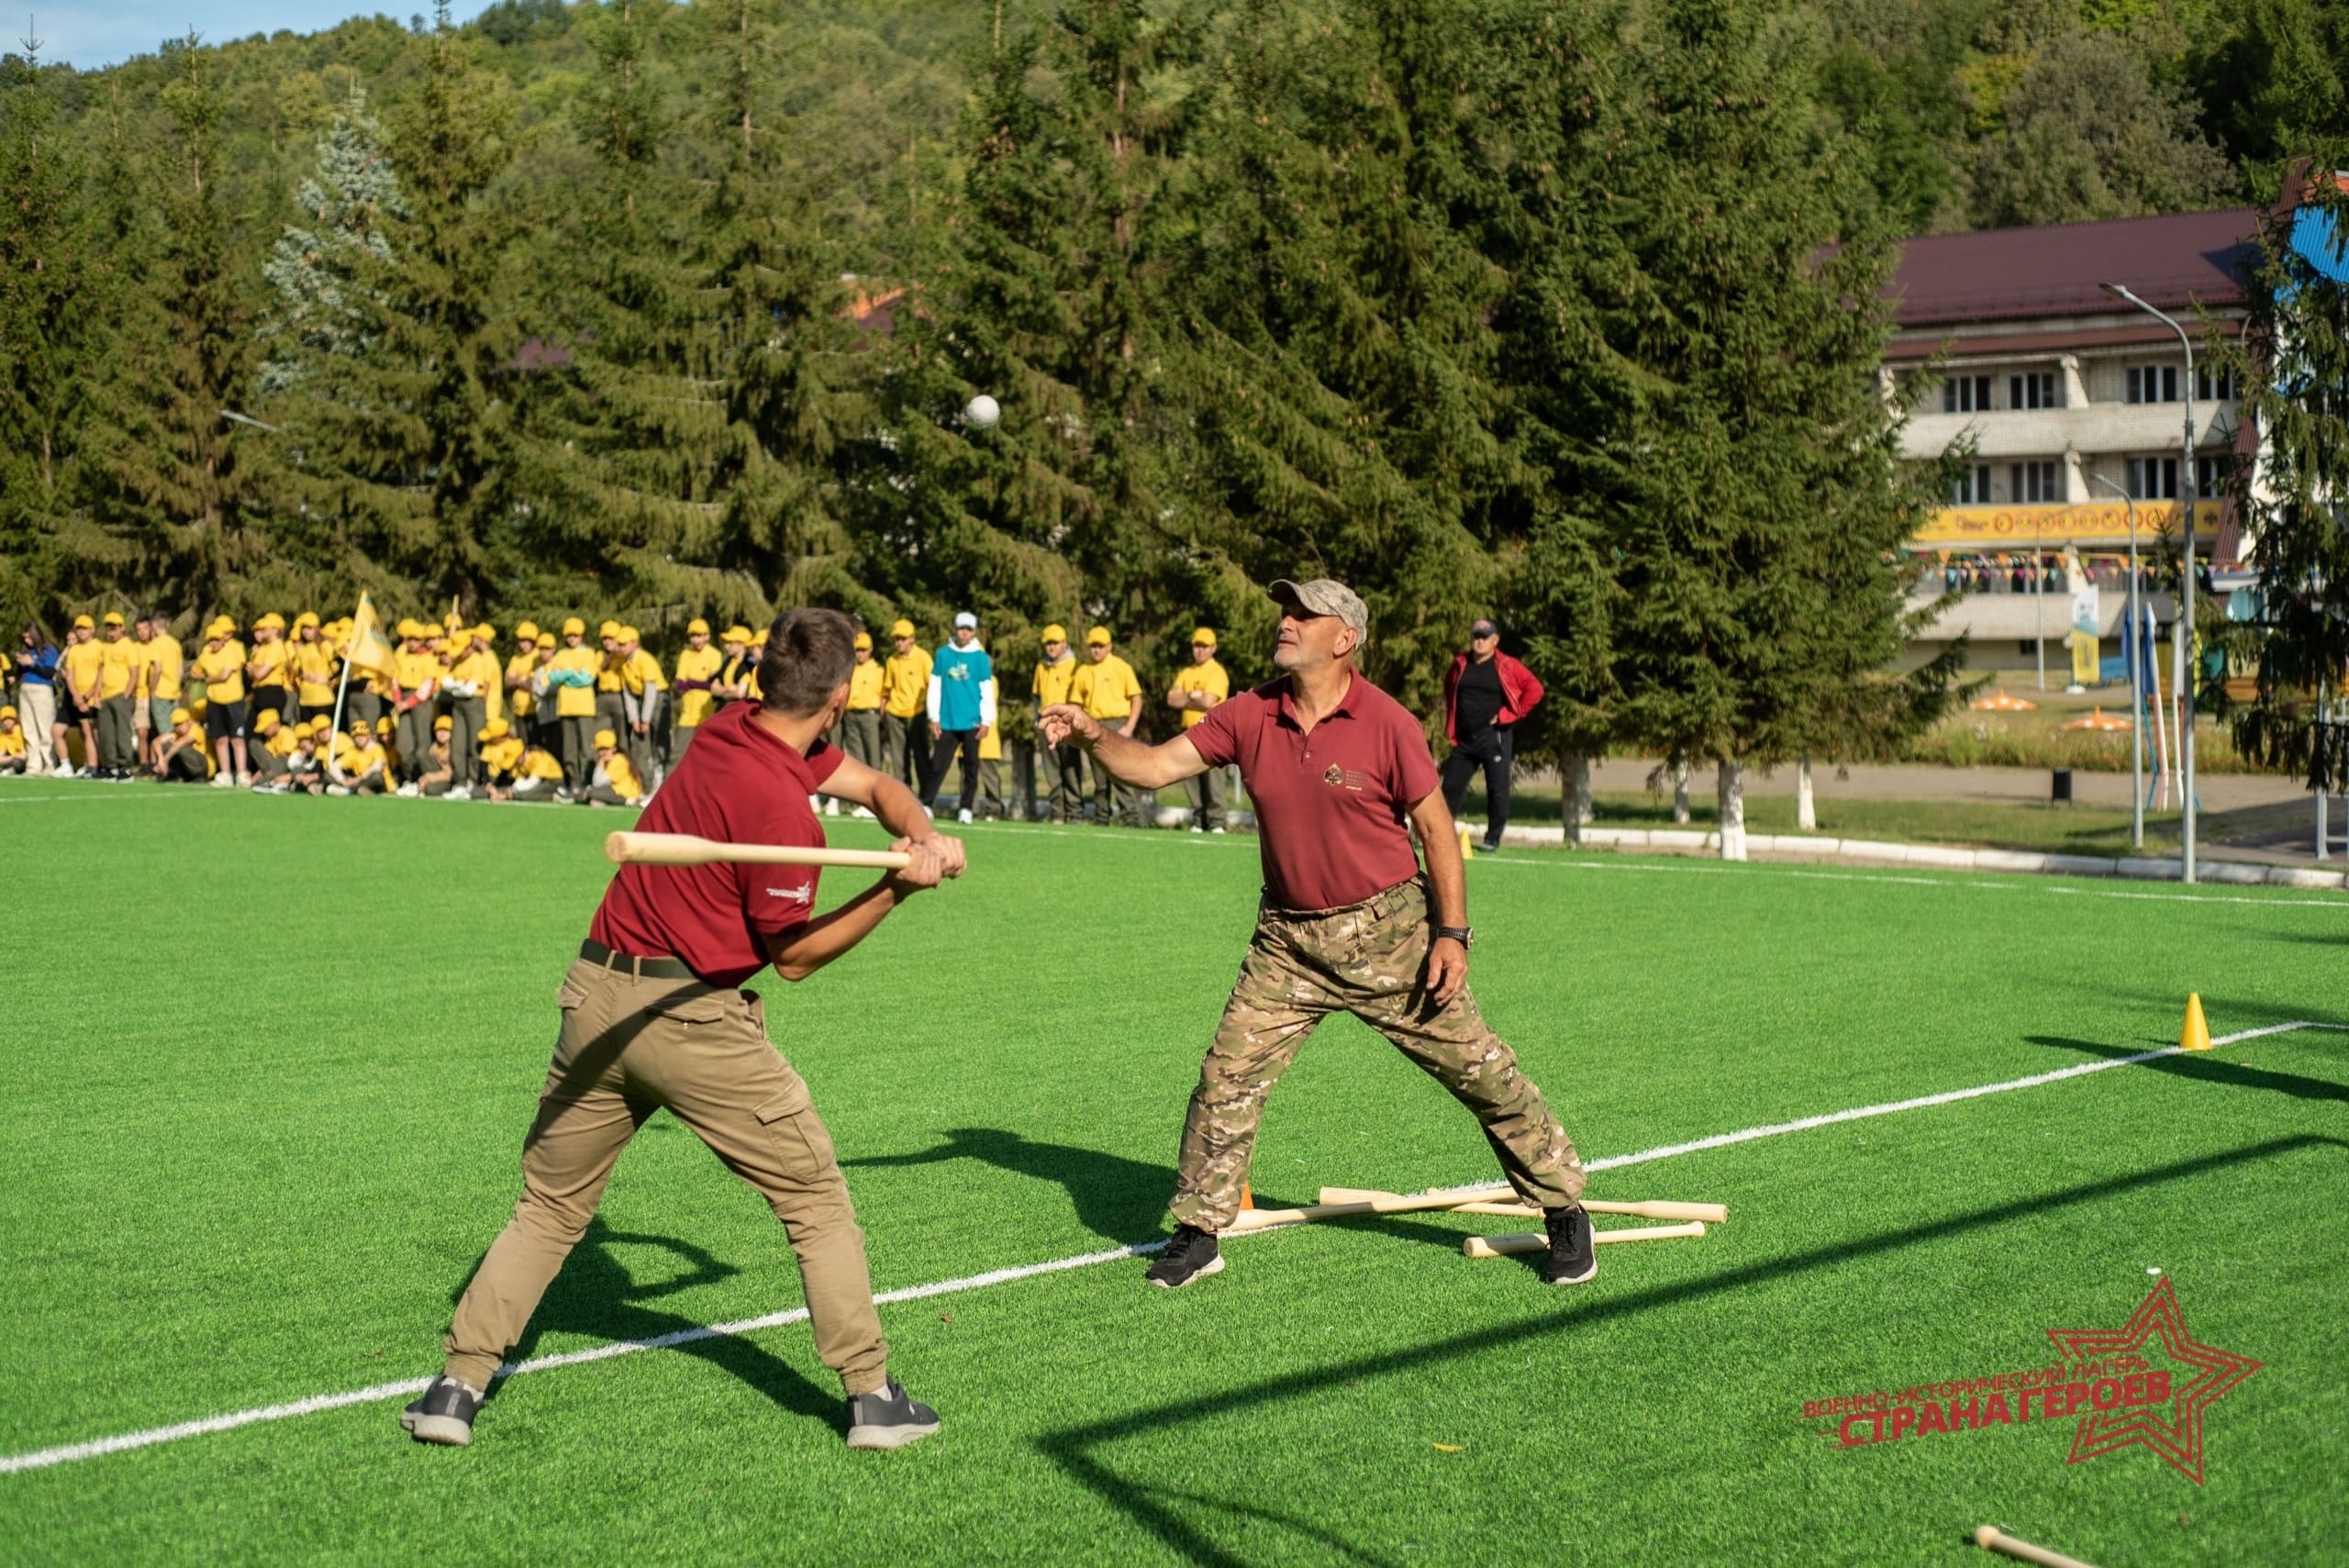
[{"x": 964, "y": 618}]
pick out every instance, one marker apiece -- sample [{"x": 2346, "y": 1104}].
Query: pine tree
[
  {"x": 345, "y": 205},
  {"x": 178, "y": 482}
]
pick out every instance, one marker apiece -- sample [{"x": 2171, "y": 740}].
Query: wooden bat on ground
[
  {"x": 625, "y": 848},
  {"x": 1991, "y": 1538},
  {"x": 1380, "y": 1203},
  {"x": 1475, "y": 1203},
  {"x": 1531, "y": 1241}
]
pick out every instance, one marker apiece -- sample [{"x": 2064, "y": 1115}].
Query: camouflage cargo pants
[{"x": 1369, "y": 960}]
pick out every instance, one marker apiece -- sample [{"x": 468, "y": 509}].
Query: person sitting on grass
[
  {"x": 614, "y": 782},
  {"x": 12, "y": 744},
  {"x": 387, "y": 736},
  {"x": 305, "y": 771},
  {"x": 439, "y": 773},
  {"x": 180, "y": 755},
  {"x": 541, "y": 775},
  {"x": 361, "y": 761},
  {"x": 501, "y": 759},
  {"x": 270, "y": 744}
]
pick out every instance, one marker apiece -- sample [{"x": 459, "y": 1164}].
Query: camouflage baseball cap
[{"x": 1325, "y": 596}]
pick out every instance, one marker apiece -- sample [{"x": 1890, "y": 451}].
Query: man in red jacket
[{"x": 1485, "y": 694}]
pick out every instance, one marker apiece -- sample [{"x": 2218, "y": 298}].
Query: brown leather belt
[{"x": 660, "y": 968}]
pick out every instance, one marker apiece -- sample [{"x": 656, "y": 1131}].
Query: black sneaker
[
  {"x": 445, "y": 1413},
  {"x": 1491, "y": 848},
  {"x": 888, "y": 1417},
  {"x": 1573, "y": 1258},
  {"x": 1190, "y": 1254}
]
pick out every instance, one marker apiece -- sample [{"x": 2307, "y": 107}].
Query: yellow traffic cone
[
  {"x": 1467, "y": 845},
  {"x": 2196, "y": 1035}
]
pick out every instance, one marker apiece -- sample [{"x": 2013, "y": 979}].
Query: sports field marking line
[
  {"x": 2290, "y": 898},
  {"x": 42, "y": 1459}
]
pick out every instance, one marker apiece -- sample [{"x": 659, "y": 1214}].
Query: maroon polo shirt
[
  {"x": 1332, "y": 807},
  {"x": 740, "y": 784}
]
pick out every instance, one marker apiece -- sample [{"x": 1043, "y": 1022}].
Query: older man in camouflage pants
[{"x": 1339, "y": 774}]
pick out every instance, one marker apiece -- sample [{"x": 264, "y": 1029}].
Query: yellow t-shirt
[
  {"x": 223, "y": 674},
  {"x": 575, "y": 701},
  {"x": 864, "y": 686},
  {"x": 641, "y": 670},
  {"x": 161, "y": 675},
  {"x": 314, "y": 673},
  {"x": 521, "y": 700},
  {"x": 991, "y": 744},
  {"x": 622, "y": 774},
  {"x": 538, "y": 763},
  {"x": 81, "y": 662},
  {"x": 283, "y": 743},
  {"x": 118, "y": 664},
  {"x": 352, "y": 760},
  {"x": 502, "y": 755},
  {"x": 482, "y": 668},
  {"x": 12, "y": 742},
  {"x": 1106, "y": 690},
  {"x": 1052, "y": 682},
  {"x": 697, "y": 664},
  {"x": 905, "y": 683},
  {"x": 415, "y": 671},
  {"x": 1209, "y": 678},
  {"x": 268, "y": 661},
  {"x": 608, "y": 672}
]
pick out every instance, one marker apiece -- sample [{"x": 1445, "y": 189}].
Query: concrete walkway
[{"x": 2219, "y": 792}]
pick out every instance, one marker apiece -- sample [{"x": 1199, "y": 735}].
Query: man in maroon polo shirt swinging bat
[
  {"x": 652, "y": 1016},
  {"x": 1339, "y": 774}
]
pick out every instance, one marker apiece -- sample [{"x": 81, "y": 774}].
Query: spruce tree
[
  {"x": 178, "y": 481},
  {"x": 2294, "y": 359},
  {"x": 1764, "y": 520},
  {"x": 413, "y": 448},
  {"x": 55, "y": 294},
  {"x": 345, "y": 204}
]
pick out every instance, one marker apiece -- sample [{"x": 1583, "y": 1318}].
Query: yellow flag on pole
[{"x": 370, "y": 650}]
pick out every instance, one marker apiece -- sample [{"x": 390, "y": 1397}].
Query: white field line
[
  {"x": 1953, "y": 879},
  {"x": 67, "y": 1453}
]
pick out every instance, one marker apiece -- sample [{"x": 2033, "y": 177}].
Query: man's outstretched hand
[{"x": 1062, "y": 722}]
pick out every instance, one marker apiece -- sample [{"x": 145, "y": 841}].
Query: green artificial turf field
[{"x": 273, "y": 1059}]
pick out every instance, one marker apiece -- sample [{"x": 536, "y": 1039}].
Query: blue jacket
[
  {"x": 42, "y": 670},
  {"x": 962, "y": 687}
]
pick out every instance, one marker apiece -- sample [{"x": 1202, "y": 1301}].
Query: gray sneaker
[
  {"x": 888, "y": 1417},
  {"x": 445, "y": 1413}
]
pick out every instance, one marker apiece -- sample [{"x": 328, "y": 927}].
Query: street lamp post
[
  {"x": 2136, "y": 682},
  {"x": 2186, "y": 587}
]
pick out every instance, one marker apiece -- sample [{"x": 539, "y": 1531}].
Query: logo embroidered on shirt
[
  {"x": 792, "y": 894},
  {"x": 1333, "y": 776}
]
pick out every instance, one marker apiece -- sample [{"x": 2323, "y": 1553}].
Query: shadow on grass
[
  {"x": 596, "y": 1295},
  {"x": 2207, "y": 1069},
  {"x": 1115, "y": 1198},
  {"x": 1071, "y": 1448}
]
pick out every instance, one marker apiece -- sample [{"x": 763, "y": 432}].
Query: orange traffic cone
[
  {"x": 1247, "y": 1198},
  {"x": 2196, "y": 1035}
]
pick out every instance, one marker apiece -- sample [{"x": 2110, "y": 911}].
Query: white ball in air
[{"x": 983, "y": 412}]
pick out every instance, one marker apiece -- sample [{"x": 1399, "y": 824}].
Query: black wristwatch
[{"x": 1464, "y": 935}]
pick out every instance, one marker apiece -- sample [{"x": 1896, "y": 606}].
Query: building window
[
  {"x": 2213, "y": 475},
  {"x": 2152, "y": 478},
  {"x": 2033, "y": 483},
  {"x": 2216, "y": 386},
  {"x": 2035, "y": 389},
  {"x": 1972, "y": 486},
  {"x": 1966, "y": 395},
  {"x": 2152, "y": 384}
]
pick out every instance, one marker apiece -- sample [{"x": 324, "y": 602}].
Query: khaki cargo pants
[
  {"x": 629, "y": 1047},
  {"x": 1369, "y": 960}
]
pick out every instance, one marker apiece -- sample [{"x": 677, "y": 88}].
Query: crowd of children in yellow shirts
[{"x": 556, "y": 716}]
